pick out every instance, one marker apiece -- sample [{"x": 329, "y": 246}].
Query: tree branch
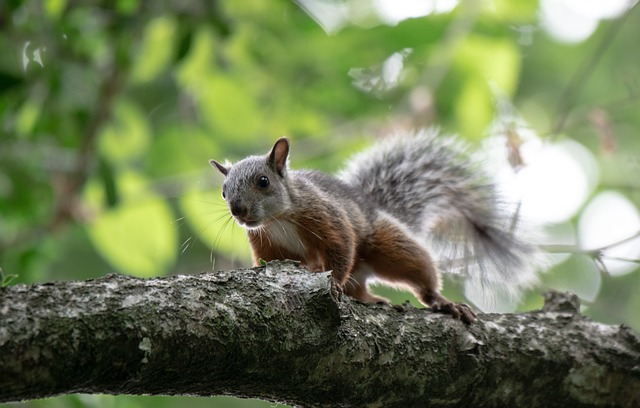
[{"x": 278, "y": 333}]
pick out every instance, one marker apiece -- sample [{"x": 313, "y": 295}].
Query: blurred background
[{"x": 110, "y": 111}]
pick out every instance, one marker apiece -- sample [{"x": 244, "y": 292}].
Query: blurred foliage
[{"x": 110, "y": 110}]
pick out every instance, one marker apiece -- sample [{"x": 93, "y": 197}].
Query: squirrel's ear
[
  {"x": 278, "y": 155},
  {"x": 220, "y": 167}
]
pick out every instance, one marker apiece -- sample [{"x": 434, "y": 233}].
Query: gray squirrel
[{"x": 380, "y": 218}]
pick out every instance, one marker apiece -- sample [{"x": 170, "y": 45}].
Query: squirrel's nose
[{"x": 238, "y": 210}]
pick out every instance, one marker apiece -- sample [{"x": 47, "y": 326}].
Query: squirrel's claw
[{"x": 460, "y": 311}]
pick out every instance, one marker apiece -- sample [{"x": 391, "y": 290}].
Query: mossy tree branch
[{"x": 280, "y": 333}]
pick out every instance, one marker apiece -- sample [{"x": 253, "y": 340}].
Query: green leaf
[
  {"x": 127, "y": 7},
  {"x": 138, "y": 236},
  {"x": 482, "y": 63},
  {"x": 5, "y": 280},
  {"x": 127, "y": 137},
  {"x": 27, "y": 117},
  {"x": 181, "y": 149},
  {"x": 229, "y": 108},
  {"x": 510, "y": 11},
  {"x": 226, "y": 103},
  {"x": 196, "y": 66},
  {"x": 156, "y": 51},
  {"x": 491, "y": 59},
  {"x": 54, "y": 8}
]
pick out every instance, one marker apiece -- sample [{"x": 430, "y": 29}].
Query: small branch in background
[
  {"x": 598, "y": 255},
  {"x": 601, "y": 122},
  {"x": 418, "y": 104},
  {"x": 583, "y": 115},
  {"x": 581, "y": 76},
  {"x": 68, "y": 185}
]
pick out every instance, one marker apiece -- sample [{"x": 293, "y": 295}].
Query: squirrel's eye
[
  {"x": 263, "y": 182},
  {"x": 224, "y": 193}
]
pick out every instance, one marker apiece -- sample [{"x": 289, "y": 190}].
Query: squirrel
[{"x": 376, "y": 218}]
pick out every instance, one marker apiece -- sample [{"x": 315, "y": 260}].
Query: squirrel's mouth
[{"x": 248, "y": 223}]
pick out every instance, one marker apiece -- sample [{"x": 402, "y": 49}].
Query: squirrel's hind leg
[{"x": 397, "y": 258}]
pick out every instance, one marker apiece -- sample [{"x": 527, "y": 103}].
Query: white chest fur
[{"x": 285, "y": 234}]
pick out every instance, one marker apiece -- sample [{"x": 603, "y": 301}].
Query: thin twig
[
  {"x": 581, "y": 76},
  {"x": 574, "y": 249},
  {"x": 73, "y": 182},
  {"x": 597, "y": 254},
  {"x": 70, "y": 183}
]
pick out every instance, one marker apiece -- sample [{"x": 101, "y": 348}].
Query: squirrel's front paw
[{"x": 336, "y": 289}]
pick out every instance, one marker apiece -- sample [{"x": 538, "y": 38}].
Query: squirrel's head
[{"x": 255, "y": 188}]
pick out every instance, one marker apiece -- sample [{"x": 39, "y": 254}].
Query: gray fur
[{"x": 441, "y": 193}]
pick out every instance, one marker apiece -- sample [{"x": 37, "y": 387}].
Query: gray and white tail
[{"x": 442, "y": 194}]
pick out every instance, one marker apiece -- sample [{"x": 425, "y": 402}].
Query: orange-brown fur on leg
[{"x": 398, "y": 259}]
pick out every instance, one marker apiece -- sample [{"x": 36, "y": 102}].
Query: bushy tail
[{"x": 434, "y": 186}]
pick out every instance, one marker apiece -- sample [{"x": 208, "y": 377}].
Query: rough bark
[{"x": 281, "y": 333}]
